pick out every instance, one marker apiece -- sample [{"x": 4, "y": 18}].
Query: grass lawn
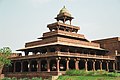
[{"x": 87, "y": 78}]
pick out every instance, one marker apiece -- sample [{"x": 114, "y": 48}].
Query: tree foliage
[{"x": 5, "y": 52}]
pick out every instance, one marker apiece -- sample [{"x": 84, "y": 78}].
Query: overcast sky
[{"x": 25, "y": 20}]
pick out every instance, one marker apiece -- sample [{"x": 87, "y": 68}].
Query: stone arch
[
  {"x": 53, "y": 65},
  {"x": 62, "y": 65},
  {"x": 97, "y": 65},
  {"x": 110, "y": 64},
  {"x": 71, "y": 64},
  {"x": 104, "y": 65},
  {"x": 18, "y": 67},
  {"x": 52, "y": 49},
  {"x": 63, "y": 49},
  {"x": 90, "y": 65},
  {"x": 25, "y": 66},
  {"x": 43, "y": 65},
  {"x": 81, "y": 64},
  {"x": 118, "y": 65},
  {"x": 33, "y": 65}
]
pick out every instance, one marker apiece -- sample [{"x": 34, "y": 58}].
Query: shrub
[
  {"x": 6, "y": 78},
  {"x": 87, "y": 73},
  {"x": 25, "y": 79},
  {"x": 112, "y": 74},
  {"x": 76, "y": 72},
  {"x": 35, "y": 78},
  {"x": 90, "y": 73}
]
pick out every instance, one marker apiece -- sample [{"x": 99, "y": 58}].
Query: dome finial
[
  {"x": 63, "y": 10},
  {"x": 64, "y": 6}
]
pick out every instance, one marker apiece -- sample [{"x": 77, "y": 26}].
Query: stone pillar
[
  {"x": 57, "y": 27},
  {"x": 21, "y": 66},
  {"x": 100, "y": 65},
  {"x": 70, "y": 21},
  {"x": 50, "y": 29},
  {"x": 57, "y": 49},
  {"x": 39, "y": 65},
  {"x": 114, "y": 66},
  {"x": 14, "y": 66},
  {"x": 107, "y": 64},
  {"x": 48, "y": 50},
  {"x": 26, "y": 53},
  {"x": 67, "y": 64},
  {"x": 76, "y": 65},
  {"x": 64, "y": 19},
  {"x": 58, "y": 65},
  {"x": 86, "y": 69},
  {"x": 48, "y": 65},
  {"x": 68, "y": 50},
  {"x": 117, "y": 65},
  {"x": 34, "y": 53},
  {"x": 93, "y": 65},
  {"x": 29, "y": 68}
]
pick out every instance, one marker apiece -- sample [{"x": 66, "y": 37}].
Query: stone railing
[
  {"x": 67, "y": 54},
  {"x": 86, "y": 55}
]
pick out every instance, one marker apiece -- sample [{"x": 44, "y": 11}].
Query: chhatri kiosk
[{"x": 60, "y": 49}]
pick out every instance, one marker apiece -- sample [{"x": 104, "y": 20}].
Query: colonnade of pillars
[
  {"x": 60, "y": 65},
  {"x": 47, "y": 50}
]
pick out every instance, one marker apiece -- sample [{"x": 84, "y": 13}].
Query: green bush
[
  {"x": 76, "y": 72},
  {"x": 90, "y": 73},
  {"x": 25, "y": 79},
  {"x": 6, "y": 78},
  {"x": 34, "y": 78},
  {"x": 112, "y": 74}
]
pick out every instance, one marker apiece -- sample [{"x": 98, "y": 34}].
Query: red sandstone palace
[{"x": 61, "y": 49}]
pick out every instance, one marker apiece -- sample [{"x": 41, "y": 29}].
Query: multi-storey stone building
[{"x": 61, "y": 49}]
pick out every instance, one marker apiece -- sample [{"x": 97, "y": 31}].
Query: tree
[{"x": 5, "y": 53}]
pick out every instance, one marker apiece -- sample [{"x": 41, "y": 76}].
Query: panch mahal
[{"x": 61, "y": 49}]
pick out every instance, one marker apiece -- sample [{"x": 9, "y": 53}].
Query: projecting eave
[
  {"x": 61, "y": 43},
  {"x": 53, "y": 25}
]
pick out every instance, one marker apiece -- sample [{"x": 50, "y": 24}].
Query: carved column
[
  {"x": 64, "y": 19},
  {"x": 26, "y": 53},
  {"x": 94, "y": 65},
  {"x": 21, "y": 66},
  {"x": 38, "y": 65},
  {"x": 70, "y": 21},
  {"x": 76, "y": 64},
  {"x": 34, "y": 53},
  {"x": 48, "y": 50},
  {"x": 117, "y": 65},
  {"x": 86, "y": 69},
  {"x": 58, "y": 27},
  {"x": 29, "y": 67},
  {"x": 68, "y": 50},
  {"x": 14, "y": 66},
  {"x": 100, "y": 65},
  {"x": 76, "y": 50},
  {"x": 58, "y": 66},
  {"x": 107, "y": 65},
  {"x": 67, "y": 64},
  {"x": 113, "y": 65},
  {"x": 50, "y": 29},
  {"x": 57, "y": 49},
  {"x": 48, "y": 65}
]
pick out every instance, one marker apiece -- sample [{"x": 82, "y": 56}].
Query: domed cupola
[{"x": 64, "y": 15}]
